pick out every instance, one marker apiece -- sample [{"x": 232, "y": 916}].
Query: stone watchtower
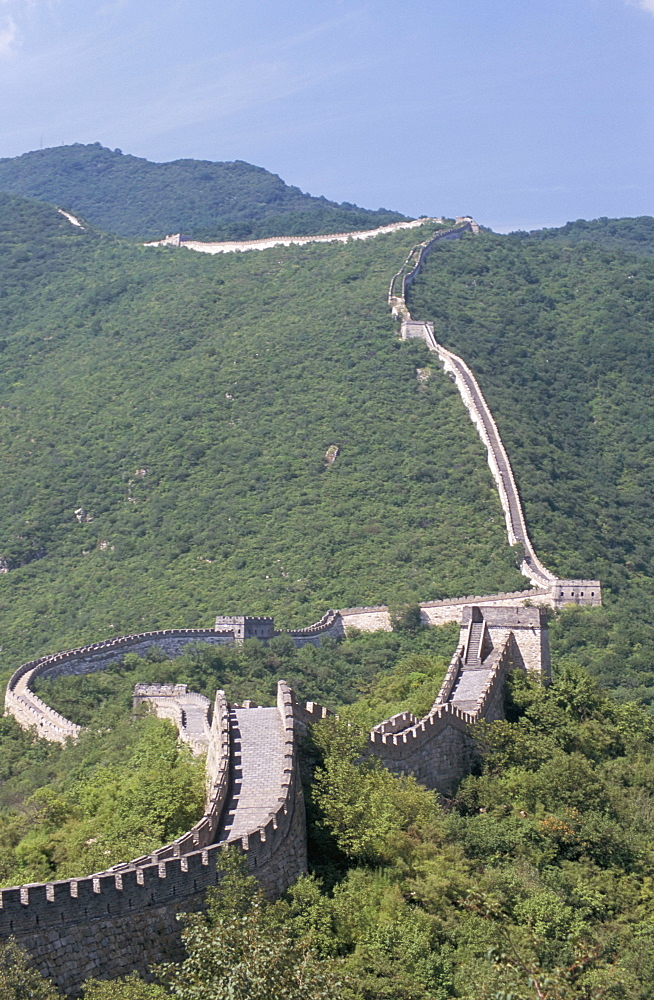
[
  {"x": 246, "y": 626},
  {"x": 484, "y": 629}
]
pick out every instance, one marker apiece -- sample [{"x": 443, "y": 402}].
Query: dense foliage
[
  {"x": 536, "y": 875},
  {"x": 533, "y": 882},
  {"x": 636, "y": 235},
  {"x": 125, "y": 787},
  {"x": 167, "y": 419},
  {"x": 164, "y": 422},
  {"x": 122, "y": 790},
  {"x": 133, "y": 197},
  {"x": 560, "y": 340}
]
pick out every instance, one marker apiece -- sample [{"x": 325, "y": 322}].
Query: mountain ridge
[{"x": 137, "y": 198}]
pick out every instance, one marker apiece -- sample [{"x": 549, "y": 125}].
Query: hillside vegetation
[
  {"x": 533, "y": 882},
  {"x": 125, "y": 789},
  {"x": 634, "y": 235},
  {"x": 560, "y": 339},
  {"x": 133, "y": 197},
  {"x": 165, "y": 419},
  {"x": 168, "y": 423}
]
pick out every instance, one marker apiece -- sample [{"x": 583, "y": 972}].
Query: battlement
[
  {"x": 115, "y": 921},
  {"x": 124, "y": 918},
  {"x": 439, "y": 748},
  {"x": 329, "y": 626}
]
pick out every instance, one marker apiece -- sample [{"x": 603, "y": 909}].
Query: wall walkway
[{"x": 113, "y": 922}]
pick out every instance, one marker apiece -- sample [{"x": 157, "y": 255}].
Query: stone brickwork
[
  {"x": 587, "y": 592},
  {"x": 31, "y": 712},
  {"x": 412, "y": 266},
  {"x": 439, "y": 749},
  {"x": 528, "y": 626},
  {"x": 123, "y": 919},
  {"x": 246, "y": 626},
  {"x": 562, "y": 591},
  {"x": 110, "y": 923},
  {"x": 188, "y": 711}
]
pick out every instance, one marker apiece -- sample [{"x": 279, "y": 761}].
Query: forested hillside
[
  {"x": 560, "y": 339},
  {"x": 133, "y": 197},
  {"x": 165, "y": 424},
  {"x": 635, "y": 235}
]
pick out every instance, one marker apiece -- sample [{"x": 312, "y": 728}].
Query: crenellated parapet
[
  {"x": 31, "y": 712},
  {"x": 560, "y": 591},
  {"x": 189, "y": 712},
  {"x": 439, "y": 749},
  {"x": 330, "y": 626},
  {"x": 112, "y": 922},
  {"x": 123, "y": 919}
]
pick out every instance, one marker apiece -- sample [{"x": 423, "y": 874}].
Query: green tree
[
  {"x": 245, "y": 948},
  {"x": 375, "y": 816},
  {"x": 18, "y": 980},
  {"x": 405, "y": 617},
  {"x": 126, "y": 988}
]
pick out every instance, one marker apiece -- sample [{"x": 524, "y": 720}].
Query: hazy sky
[{"x": 523, "y": 113}]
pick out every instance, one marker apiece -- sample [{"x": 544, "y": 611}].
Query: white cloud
[
  {"x": 8, "y": 35},
  {"x": 647, "y": 5}
]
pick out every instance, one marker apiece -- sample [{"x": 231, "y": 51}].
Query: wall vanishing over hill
[
  {"x": 241, "y": 246},
  {"x": 133, "y": 197},
  {"x": 123, "y": 919},
  {"x": 563, "y": 591}
]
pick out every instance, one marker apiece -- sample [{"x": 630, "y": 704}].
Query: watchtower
[{"x": 247, "y": 626}]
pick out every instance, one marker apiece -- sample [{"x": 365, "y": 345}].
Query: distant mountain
[
  {"x": 635, "y": 235},
  {"x": 133, "y": 197}
]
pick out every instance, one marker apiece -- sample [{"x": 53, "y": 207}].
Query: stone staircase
[
  {"x": 474, "y": 642},
  {"x": 475, "y": 673}
]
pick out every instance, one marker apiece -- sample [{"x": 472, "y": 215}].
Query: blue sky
[{"x": 524, "y": 113}]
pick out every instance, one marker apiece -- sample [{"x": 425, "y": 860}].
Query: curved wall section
[
  {"x": 113, "y": 922},
  {"x": 30, "y": 711}
]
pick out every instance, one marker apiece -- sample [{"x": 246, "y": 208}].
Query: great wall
[{"x": 123, "y": 919}]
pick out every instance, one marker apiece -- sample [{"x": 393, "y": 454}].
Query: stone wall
[
  {"x": 561, "y": 591},
  {"x": 31, "y": 712},
  {"x": 439, "y": 749},
  {"x": 239, "y": 246},
  {"x": 412, "y": 266},
  {"x": 124, "y": 919},
  {"x": 528, "y": 626},
  {"x": 111, "y": 923},
  {"x": 175, "y": 702},
  {"x": 442, "y": 612},
  {"x": 587, "y": 592}
]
